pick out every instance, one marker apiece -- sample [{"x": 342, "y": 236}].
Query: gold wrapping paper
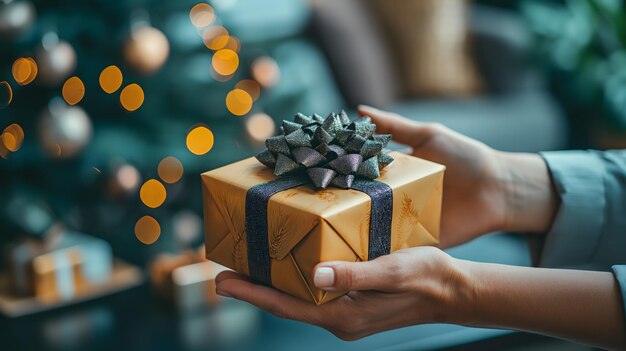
[
  {"x": 307, "y": 226},
  {"x": 46, "y": 271}
]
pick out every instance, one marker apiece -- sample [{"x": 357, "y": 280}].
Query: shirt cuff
[
  {"x": 620, "y": 276},
  {"x": 578, "y": 178}
]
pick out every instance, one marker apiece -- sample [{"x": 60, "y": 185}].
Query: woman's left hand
[{"x": 411, "y": 286}]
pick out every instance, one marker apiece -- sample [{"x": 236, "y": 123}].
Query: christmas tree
[{"x": 202, "y": 85}]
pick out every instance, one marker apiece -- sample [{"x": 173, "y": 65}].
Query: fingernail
[
  {"x": 324, "y": 277},
  {"x": 222, "y": 293}
]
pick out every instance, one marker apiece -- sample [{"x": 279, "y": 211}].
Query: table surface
[{"x": 138, "y": 320}]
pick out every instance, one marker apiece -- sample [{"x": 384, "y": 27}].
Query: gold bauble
[{"x": 146, "y": 50}]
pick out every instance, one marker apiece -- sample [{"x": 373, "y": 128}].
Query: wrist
[
  {"x": 458, "y": 304},
  {"x": 530, "y": 200}
]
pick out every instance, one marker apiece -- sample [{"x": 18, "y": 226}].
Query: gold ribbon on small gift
[{"x": 331, "y": 151}]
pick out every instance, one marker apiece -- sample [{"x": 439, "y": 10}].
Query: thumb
[
  {"x": 337, "y": 275},
  {"x": 402, "y": 129}
]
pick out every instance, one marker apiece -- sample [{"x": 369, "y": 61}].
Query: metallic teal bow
[{"x": 331, "y": 151}]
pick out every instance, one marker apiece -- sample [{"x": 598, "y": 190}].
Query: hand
[
  {"x": 474, "y": 199},
  {"x": 407, "y": 287},
  {"x": 484, "y": 189}
]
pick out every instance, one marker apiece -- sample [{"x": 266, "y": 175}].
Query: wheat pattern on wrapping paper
[
  {"x": 407, "y": 213},
  {"x": 237, "y": 252},
  {"x": 280, "y": 236}
]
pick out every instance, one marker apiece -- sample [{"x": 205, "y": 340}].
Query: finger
[
  {"x": 271, "y": 300},
  {"x": 337, "y": 275},
  {"x": 402, "y": 129},
  {"x": 230, "y": 275}
]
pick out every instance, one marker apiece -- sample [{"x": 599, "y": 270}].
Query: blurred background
[{"x": 110, "y": 110}]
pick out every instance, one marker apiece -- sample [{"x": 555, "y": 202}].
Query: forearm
[
  {"x": 579, "y": 305},
  {"x": 530, "y": 197}
]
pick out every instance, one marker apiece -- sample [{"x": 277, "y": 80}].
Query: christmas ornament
[
  {"x": 16, "y": 17},
  {"x": 56, "y": 59},
  {"x": 64, "y": 130},
  {"x": 147, "y": 49},
  {"x": 330, "y": 151}
]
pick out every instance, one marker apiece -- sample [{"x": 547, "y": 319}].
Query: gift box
[
  {"x": 59, "y": 268},
  {"x": 186, "y": 279},
  {"x": 276, "y": 223}
]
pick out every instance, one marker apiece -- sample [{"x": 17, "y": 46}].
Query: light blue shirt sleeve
[{"x": 589, "y": 230}]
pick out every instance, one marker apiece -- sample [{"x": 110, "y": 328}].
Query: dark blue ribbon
[{"x": 257, "y": 198}]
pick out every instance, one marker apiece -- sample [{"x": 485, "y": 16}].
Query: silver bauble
[
  {"x": 56, "y": 60},
  {"x": 64, "y": 130},
  {"x": 16, "y": 17}
]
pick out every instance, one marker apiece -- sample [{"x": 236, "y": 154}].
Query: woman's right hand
[{"x": 484, "y": 190}]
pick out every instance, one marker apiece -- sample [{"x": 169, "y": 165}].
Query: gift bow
[{"x": 331, "y": 150}]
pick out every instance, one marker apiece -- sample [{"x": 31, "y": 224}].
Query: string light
[
  {"x": 259, "y": 127},
  {"x": 251, "y": 87},
  {"x": 225, "y": 62},
  {"x": 6, "y": 94},
  {"x": 152, "y": 193},
  {"x": 201, "y": 15},
  {"x": 132, "y": 97},
  {"x": 199, "y": 140},
  {"x": 215, "y": 37},
  {"x": 147, "y": 230},
  {"x": 24, "y": 70},
  {"x": 111, "y": 79},
  {"x": 170, "y": 170},
  {"x": 265, "y": 71},
  {"x": 73, "y": 90},
  {"x": 238, "y": 102},
  {"x": 12, "y": 137}
]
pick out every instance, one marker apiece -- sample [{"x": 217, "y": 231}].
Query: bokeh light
[
  {"x": 73, "y": 90},
  {"x": 259, "y": 127},
  {"x": 251, "y": 87},
  {"x": 233, "y": 44},
  {"x": 147, "y": 230},
  {"x": 218, "y": 77},
  {"x": 132, "y": 97},
  {"x": 6, "y": 94},
  {"x": 111, "y": 79},
  {"x": 201, "y": 15},
  {"x": 215, "y": 37},
  {"x": 199, "y": 140},
  {"x": 225, "y": 62},
  {"x": 265, "y": 70},
  {"x": 152, "y": 193},
  {"x": 238, "y": 102},
  {"x": 4, "y": 152},
  {"x": 170, "y": 170},
  {"x": 24, "y": 70},
  {"x": 127, "y": 178},
  {"x": 12, "y": 137}
]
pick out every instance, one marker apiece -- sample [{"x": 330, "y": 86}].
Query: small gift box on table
[
  {"x": 186, "y": 279},
  {"x": 60, "y": 268},
  {"x": 275, "y": 225}
]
